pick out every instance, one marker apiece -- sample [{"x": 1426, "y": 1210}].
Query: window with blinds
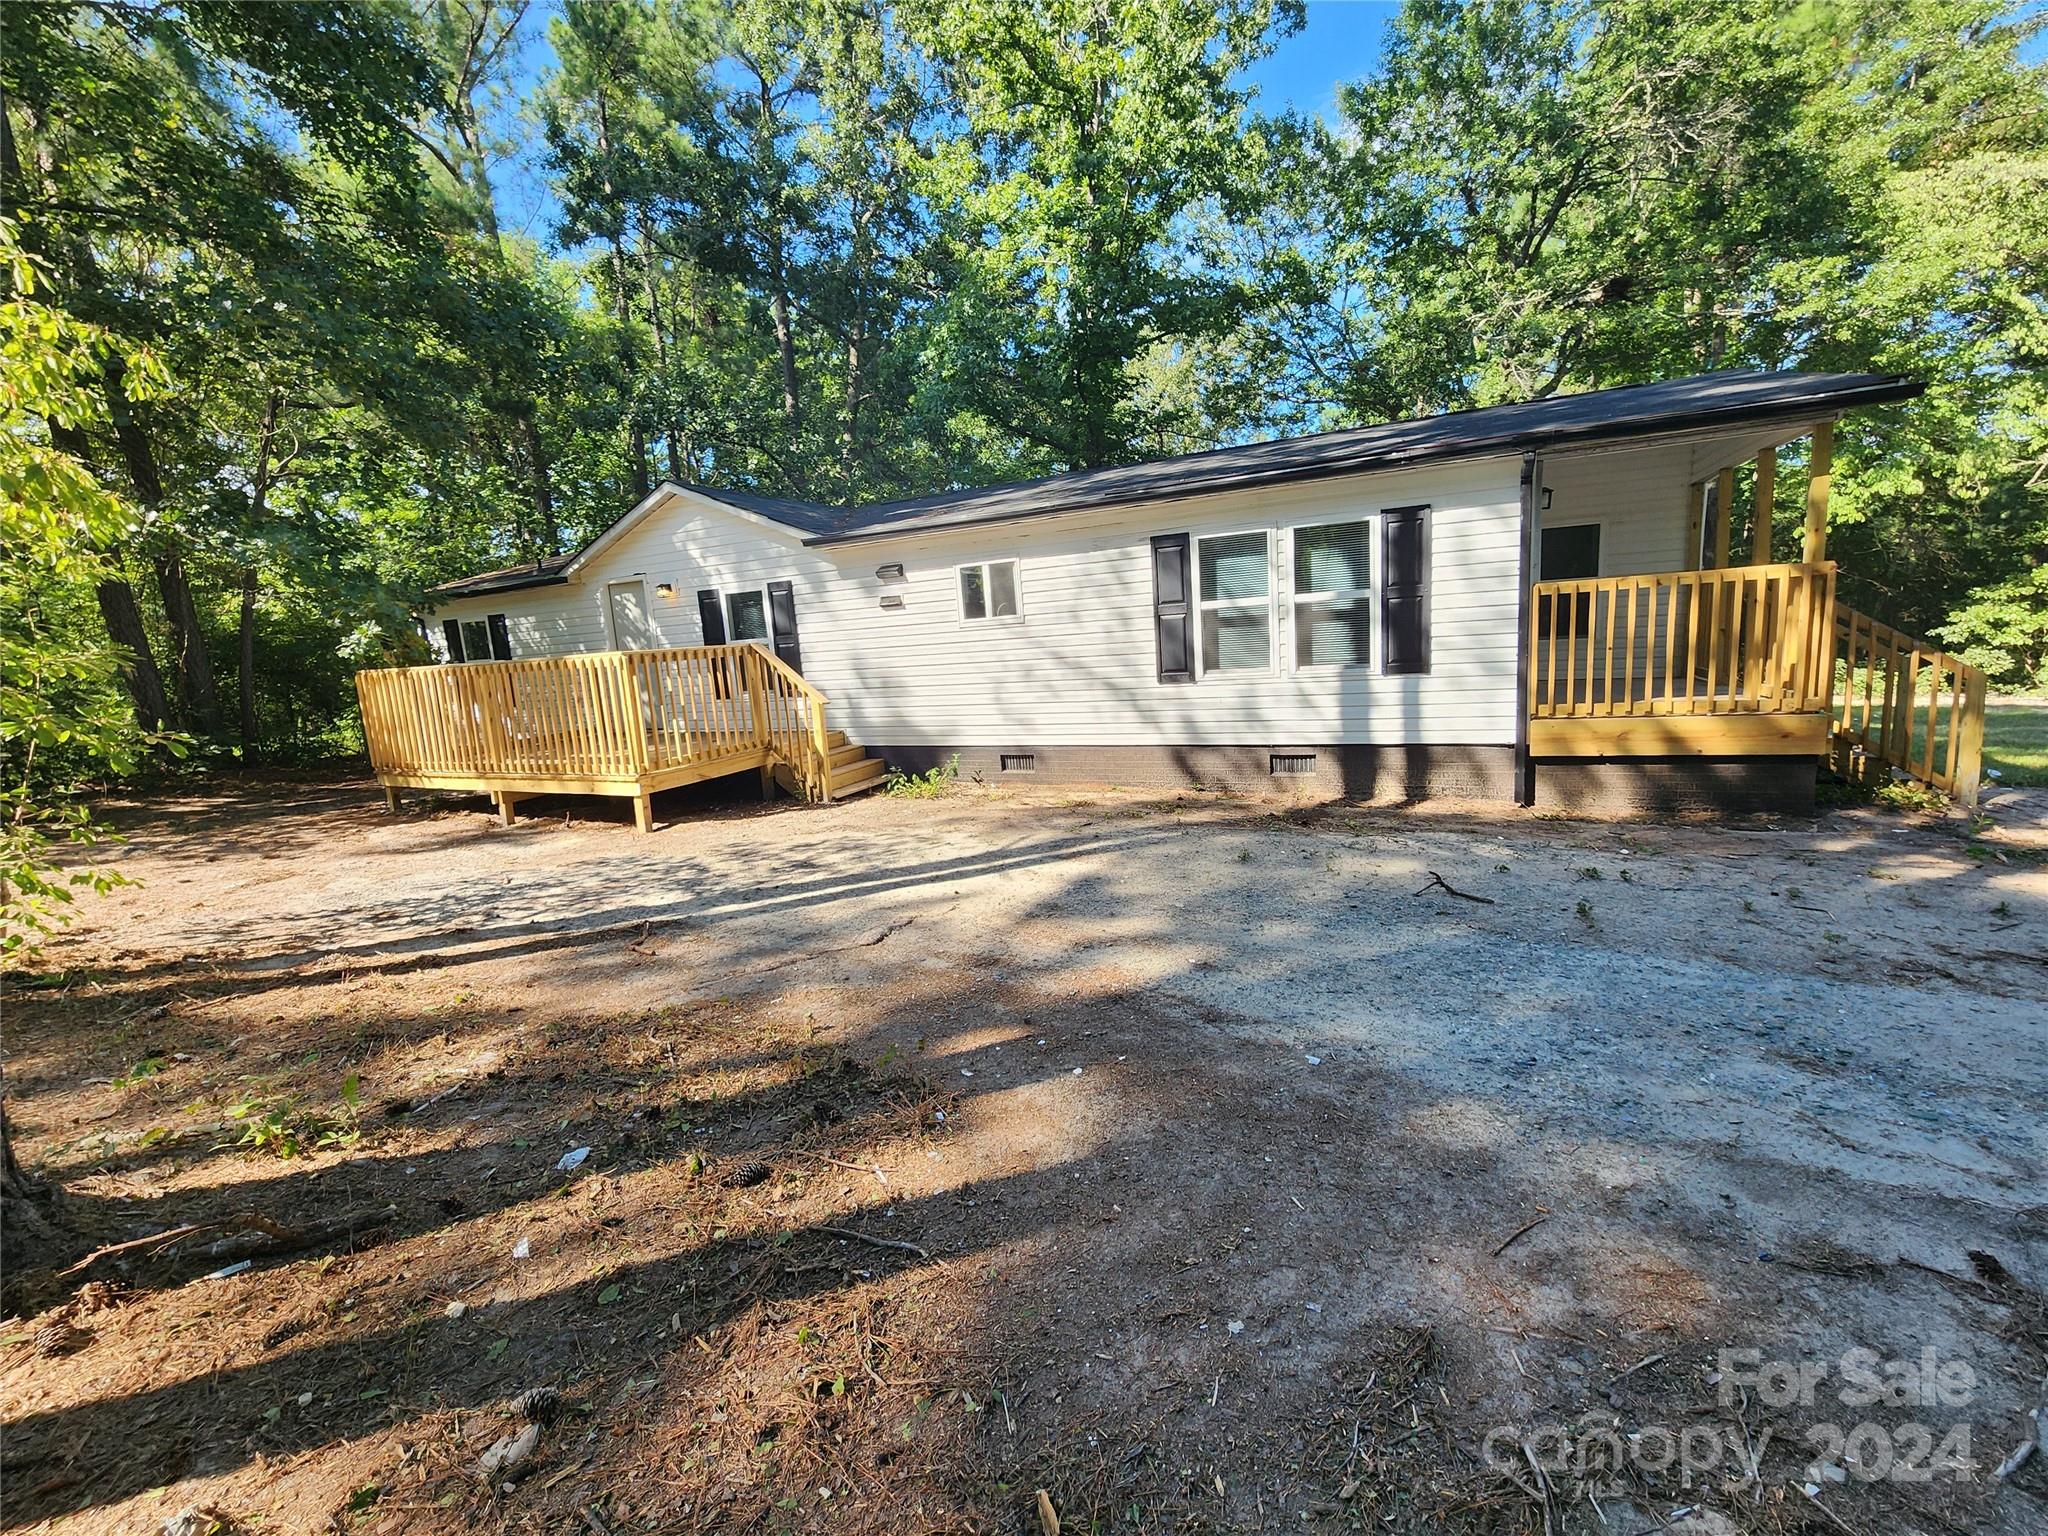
[{"x": 1333, "y": 599}]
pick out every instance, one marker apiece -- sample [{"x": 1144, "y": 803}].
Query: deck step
[
  {"x": 835, "y": 739},
  {"x": 852, "y": 752},
  {"x": 856, "y": 777}
]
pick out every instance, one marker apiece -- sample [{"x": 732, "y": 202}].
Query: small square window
[
  {"x": 746, "y": 615},
  {"x": 1570, "y": 553},
  {"x": 989, "y": 591},
  {"x": 476, "y": 640}
]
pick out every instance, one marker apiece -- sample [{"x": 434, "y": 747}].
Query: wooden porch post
[
  {"x": 1724, "y": 516},
  {"x": 1819, "y": 478},
  {"x": 1766, "y": 496},
  {"x": 1969, "y": 770}
]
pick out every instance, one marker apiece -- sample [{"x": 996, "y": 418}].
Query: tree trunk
[
  {"x": 195, "y": 668},
  {"x": 785, "y": 343},
  {"x": 636, "y": 439},
  {"x": 246, "y": 655},
  {"x": 123, "y": 618},
  {"x": 121, "y": 615},
  {"x": 543, "y": 486},
  {"x": 25, "y": 1217}
]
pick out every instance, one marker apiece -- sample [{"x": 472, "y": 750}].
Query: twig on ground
[
  {"x": 1646, "y": 1360},
  {"x": 1520, "y": 1232},
  {"x": 250, "y": 1233},
  {"x": 1437, "y": 882},
  {"x": 840, "y": 1162},
  {"x": 1814, "y": 1500},
  {"x": 879, "y": 1242}
]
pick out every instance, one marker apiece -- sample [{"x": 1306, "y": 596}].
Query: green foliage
[
  {"x": 289, "y": 1128},
  {"x": 934, "y": 783},
  {"x": 2003, "y": 628},
  {"x": 64, "y": 723}
]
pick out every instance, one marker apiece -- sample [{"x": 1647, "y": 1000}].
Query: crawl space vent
[
  {"x": 1284, "y": 763},
  {"x": 1020, "y": 762}
]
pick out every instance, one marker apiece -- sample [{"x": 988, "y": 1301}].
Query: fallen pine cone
[
  {"x": 60, "y": 1338},
  {"x": 746, "y": 1176},
  {"x": 538, "y": 1405}
]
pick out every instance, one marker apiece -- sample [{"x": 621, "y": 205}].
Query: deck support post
[
  {"x": 505, "y": 804},
  {"x": 767, "y": 781},
  {"x": 1820, "y": 475},
  {"x": 643, "y": 811},
  {"x": 391, "y": 799}
]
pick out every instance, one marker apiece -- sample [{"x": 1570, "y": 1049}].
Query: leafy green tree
[
  {"x": 64, "y": 723},
  {"x": 1564, "y": 195},
  {"x": 1093, "y": 132}
]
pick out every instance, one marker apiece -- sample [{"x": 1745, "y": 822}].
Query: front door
[{"x": 626, "y": 610}]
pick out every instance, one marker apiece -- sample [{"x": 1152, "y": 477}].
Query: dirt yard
[{"x": 1200, "y": 1162}]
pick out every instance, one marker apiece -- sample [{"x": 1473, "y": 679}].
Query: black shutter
[
  {"x": 501, "y": 638},
  {"x": 782, "y": 624},
  {"x": 713, "y": 616},
  {"x": 1404, "y": 588},
  {"x": 451, "y": 631},
  {"x": 1171, "y": 608}
]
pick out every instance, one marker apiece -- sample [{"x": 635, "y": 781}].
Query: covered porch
[{"x": 1742, "y": 656}]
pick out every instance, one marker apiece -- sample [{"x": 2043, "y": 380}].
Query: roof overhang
[{"x": 1826, "y": 406}]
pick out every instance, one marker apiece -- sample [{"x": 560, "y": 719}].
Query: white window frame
[
  {"x": 1371, "y": 594},
  {"x": 1203, "y": 605},
  {"x": 483, "y": 620},
  {"x": 988, "y": 592},
  {"x": 767, "y": 635}
]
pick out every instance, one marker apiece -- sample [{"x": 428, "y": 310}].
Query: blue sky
[{"x": 1338, "y": 41}]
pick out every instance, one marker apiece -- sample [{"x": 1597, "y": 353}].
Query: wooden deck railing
[
  {"x": 1906, "y": 704},
  {"x": 1753, "y": 639},
  {"x": 610, "y": 721}
]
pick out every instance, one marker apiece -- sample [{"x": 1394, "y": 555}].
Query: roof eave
[
  {"x": 515, "y": 584},
  {"x": 1885, "y": 392}
]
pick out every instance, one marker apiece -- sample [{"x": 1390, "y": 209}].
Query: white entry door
[{"x": 626, "y": 608}]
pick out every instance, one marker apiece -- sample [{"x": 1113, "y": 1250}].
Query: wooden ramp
[{"x": 628, "y": 723}]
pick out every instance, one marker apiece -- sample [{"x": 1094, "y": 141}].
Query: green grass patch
[{"x": 2016, "y": 740}]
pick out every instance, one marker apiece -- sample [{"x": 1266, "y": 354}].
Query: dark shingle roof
[
  {"x": 1636, "y": 410},
  {"x": 535, "y": 573}
]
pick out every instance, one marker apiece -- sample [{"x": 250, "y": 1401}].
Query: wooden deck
[
  {"x": 1746, "y": 661},
  {"x": 1733, "y": 662},
  {"x": 629, "y": 723}
]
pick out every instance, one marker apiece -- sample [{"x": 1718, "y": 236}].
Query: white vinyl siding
[{"x": 1083, "y": 671}]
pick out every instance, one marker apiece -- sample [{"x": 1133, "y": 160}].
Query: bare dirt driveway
[{"x": 1200, "y": 1162}]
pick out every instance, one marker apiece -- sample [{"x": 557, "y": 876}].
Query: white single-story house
[{"x": 1571, "y": 600}]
